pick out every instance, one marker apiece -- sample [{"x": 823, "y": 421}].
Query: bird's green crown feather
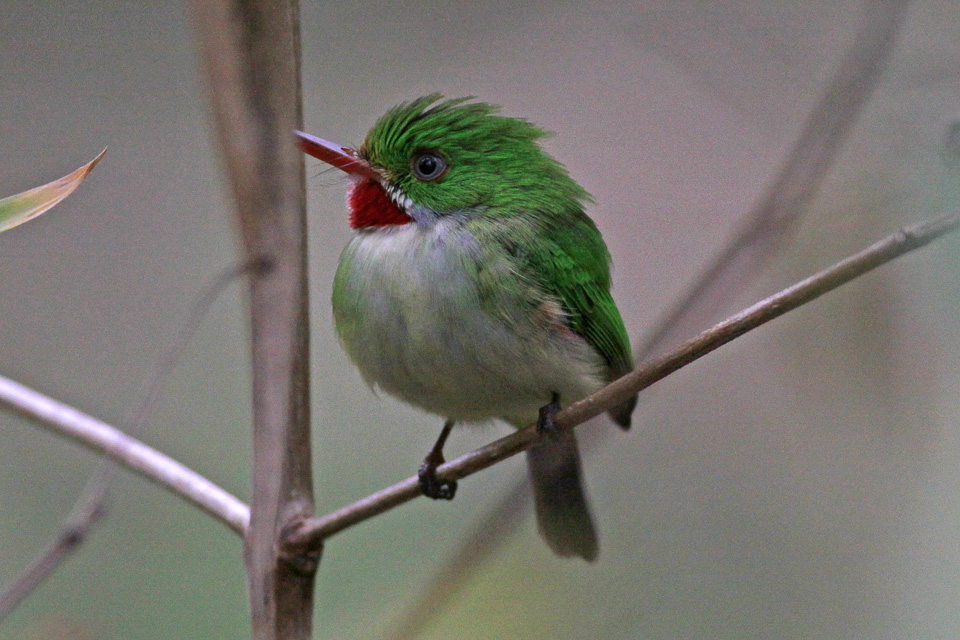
[{"x": 492, "y": 160}]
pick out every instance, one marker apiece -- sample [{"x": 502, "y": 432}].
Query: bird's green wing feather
[
  {"x": 575, "y": 266},
  {"x": 568, "y": 260}
]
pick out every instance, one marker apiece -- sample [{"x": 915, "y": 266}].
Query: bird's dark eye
[{"x": 428, "y": 166}]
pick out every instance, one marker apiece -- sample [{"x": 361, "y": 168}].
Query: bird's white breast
[{"x": 408, "y": 310}]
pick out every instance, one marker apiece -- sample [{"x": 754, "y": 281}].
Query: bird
[{"x": 476, "y": 287}]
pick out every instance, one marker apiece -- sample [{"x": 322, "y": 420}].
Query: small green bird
[{"x": 475, "y": 287}]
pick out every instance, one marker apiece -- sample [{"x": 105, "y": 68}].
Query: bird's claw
[
  {"x": 432, "y": 486},
  {"x": 546, "y": 425}
]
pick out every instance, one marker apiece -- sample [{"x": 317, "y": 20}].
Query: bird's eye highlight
[{"x": 428, "y": 166}]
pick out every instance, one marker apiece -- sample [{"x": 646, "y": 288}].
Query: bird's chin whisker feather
[{"x": 332, "y": 177}]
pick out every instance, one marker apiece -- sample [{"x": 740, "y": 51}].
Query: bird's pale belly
[{"x": 409, "y": 314}]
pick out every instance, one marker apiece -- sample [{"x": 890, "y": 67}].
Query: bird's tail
[
  {"x": 563, "y": 515},
  {"x": 622, "y": 412}
]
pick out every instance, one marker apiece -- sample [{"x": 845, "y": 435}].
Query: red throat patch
[{"x": 370, "y": 206}]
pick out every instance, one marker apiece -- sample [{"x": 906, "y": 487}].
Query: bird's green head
[{"x": 431, "y": 158}]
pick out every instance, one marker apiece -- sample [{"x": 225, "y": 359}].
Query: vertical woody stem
[{"x": 251, "y": 57}]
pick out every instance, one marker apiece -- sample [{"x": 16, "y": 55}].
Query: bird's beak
[{"x": 343, "y": 158}]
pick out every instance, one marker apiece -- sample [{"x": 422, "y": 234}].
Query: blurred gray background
[{"x": 803, "y": 482}]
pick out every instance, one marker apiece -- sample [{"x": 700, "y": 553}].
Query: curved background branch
[
  {"x": 769, "y": 224},
  {"x": 64, "y": 420}
]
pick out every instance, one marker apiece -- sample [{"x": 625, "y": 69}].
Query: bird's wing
[
  {"x": 567, "y": 260},
  {"x": 575, "y": 266}
]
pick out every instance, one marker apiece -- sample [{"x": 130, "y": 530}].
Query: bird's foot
[
  {"x": 546, "y": 425},
  {"x": 432, "y": 486}
]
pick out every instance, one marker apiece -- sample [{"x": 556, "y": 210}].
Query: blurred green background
[{"x": 803, "y": 482}]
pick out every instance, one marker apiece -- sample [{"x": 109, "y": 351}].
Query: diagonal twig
[
  {"x": 313, "y": 531},
  {"x": 86, "y": 513}
]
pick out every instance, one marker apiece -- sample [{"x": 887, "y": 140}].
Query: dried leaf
[{"x": 19, "y": 208}]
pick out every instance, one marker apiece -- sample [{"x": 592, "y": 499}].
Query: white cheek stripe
[{"x": 399, "y": 199}]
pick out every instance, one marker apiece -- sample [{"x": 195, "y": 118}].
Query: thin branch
[
  {"x": 64, "y": 420},
  {"x": 763, "y": 234},
  {"x": 86, "y": 513},
  {"x": 314, "y": 530},
  {"x": 251, "y": 61},
  {"x": 91, "y": 506}
]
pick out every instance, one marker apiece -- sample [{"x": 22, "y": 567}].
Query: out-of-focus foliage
[{"x": 19, "y": 208}]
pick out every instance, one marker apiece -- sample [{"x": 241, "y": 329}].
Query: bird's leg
[
  {"x": 427, "y": 473},
  {"x": 545, "y": 421}
]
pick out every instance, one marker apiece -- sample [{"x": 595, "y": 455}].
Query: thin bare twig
[
  {"x": 763, "y": 234},
  {"x": 91, "y": 506},
  {"x": 125, "y": 450},
  {"x": 86, "y": 513},
  {"x": 251, "y": 61},
  {"x": 313, "y": 531}
]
